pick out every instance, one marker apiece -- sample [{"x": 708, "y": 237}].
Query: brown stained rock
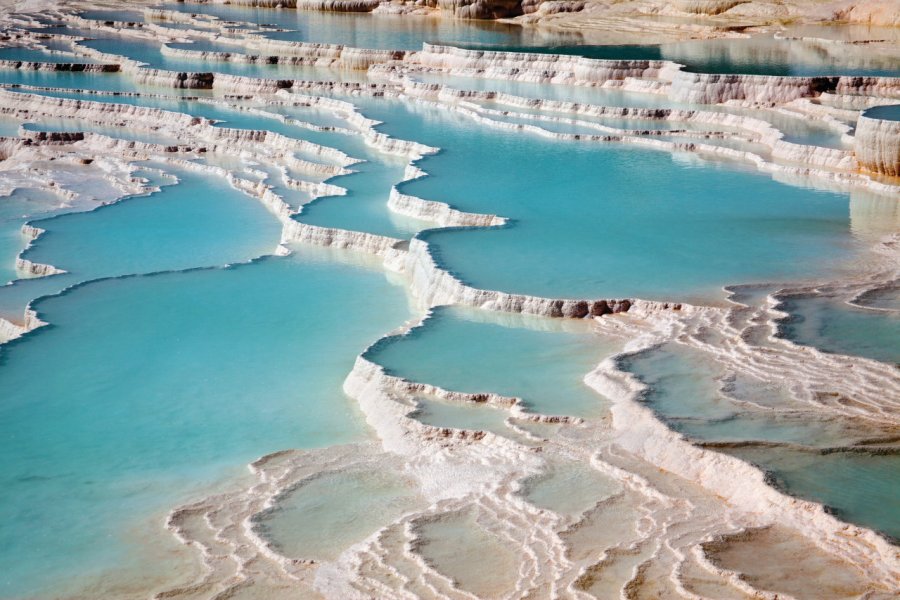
[
  {"x": 622, "y": 306},
  {"x": 58, "y": 136},
  {"x": 556, "y": 308},
  {"x": 580, "y": 310},
  {"x": 195, "y": 81},
  {"x": 600, "y": 308}
]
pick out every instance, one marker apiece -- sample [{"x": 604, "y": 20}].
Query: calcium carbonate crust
[{"x": 684, "y": 496}]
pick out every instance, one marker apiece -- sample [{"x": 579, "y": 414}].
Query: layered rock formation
[
  {"x": 674, "y": 502},
  {"x": 878, "y": 140}
]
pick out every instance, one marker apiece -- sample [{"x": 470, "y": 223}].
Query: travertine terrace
[{"x": 684, "y": 519}]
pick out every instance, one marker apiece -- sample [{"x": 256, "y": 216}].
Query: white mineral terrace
[{"x": 675, "y": 501}]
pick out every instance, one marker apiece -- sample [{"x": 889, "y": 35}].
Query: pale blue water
[
  {"x": 679, "y": 231},
  {"x": 145, "y": 234},
  {"x": 329, "y": 513},
  {"x": 15, "y": 210},
  {"x": 9, "y": 127},
  {"x": 832, "y": 325},
  {"x": 160, "y": 385},
  {"x": 536, "y": 359},
  {"x": 160, "y": 232},
  {"x": 462, "y": 415}
]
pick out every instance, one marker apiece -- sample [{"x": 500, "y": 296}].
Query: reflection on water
[
  {"x": 368, "y": 30},
  {"x": 760, "y": 55}
]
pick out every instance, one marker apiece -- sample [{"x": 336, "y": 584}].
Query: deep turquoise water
[
  {"x": 364, "y": 207},
  {"x": 146, "y": 234},
  {"x": 97, "y": 81},
  {"x": 160, "y": 385}
]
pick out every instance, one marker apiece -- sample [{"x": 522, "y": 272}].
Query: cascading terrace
[{"x": 543, "y": 435}]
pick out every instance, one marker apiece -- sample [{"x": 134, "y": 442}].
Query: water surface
[
  {"x": 146, "y": 389},
  {"x": 833, "y": 325},
  {"x": 539, "y": 360}
]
